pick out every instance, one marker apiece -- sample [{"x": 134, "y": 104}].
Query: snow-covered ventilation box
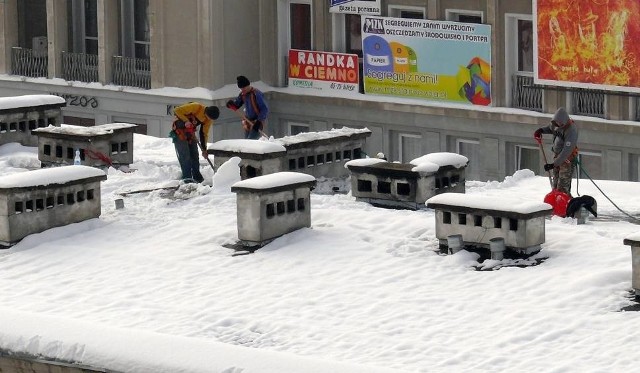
[
  {"x": 19, "y": 115},
  {"x": 634, "y": 242},
  {"x": 34, "y": 201},
  {"x": 320, "y": 154},
  {"x": 478, "y": 219},
  {"x": 272, "y": 205},
  {"x": 98, "y": 146},
  {"x": 407, "y": 185}
]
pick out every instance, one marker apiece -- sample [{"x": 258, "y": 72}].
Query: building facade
[{"x": 134, "y": 60}]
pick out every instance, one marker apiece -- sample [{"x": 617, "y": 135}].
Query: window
[
  {"x": 300, "y": 25},
  {"x": 404, "y": 189},
  {"x": 462, "y": 219},
  {"x": 471, "y": 150},
  {"x": 91, "y": 26},
  {"x": 406, "y": 12},
  {"x": 525, "y": 45},
  {"x": 384, "y": 187},
  {"x": 364, "y": 185},
  {"x": 353, "y": 34},
  {"x": 270, "y": 210},
  {"x": 446, "y": 217},
  {"x": 32, "y": 22},
  {"x": 528, "y": 157},
  {"x": 296, "y": 128},
  {"x": 590, "y": 165},
  {"x": 409, "y": 147},
  {"x": 466, "y": 16},
  {"x": 291, "y": 205},
  {"x": 135, "y": 28}
]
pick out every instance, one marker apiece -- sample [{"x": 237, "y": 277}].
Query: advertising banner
[
  {"x": 326, "y": 71},
  {"x": 435, "y": 60},
  {"x": 371, "y": 7},
  {"x": 587, "y": 44}
]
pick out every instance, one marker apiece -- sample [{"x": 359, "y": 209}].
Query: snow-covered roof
[
  {"x": 322, "y": 135},
  {"x": 30, "y": 101},
  {"x": 100, "y": 130},
  {"x": 461, "y": 202},
  {"x": 48, "y": 176},
  {"x": 275, "y": 180},
  {"x": 247, "y": 146}
]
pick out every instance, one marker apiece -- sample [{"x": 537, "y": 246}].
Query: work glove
[
  {"x": 231, "y": 105},
  {"x": 548, "y": 166},
  {"x": 538, "y": 136}
]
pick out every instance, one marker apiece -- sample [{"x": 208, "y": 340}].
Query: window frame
[
  {"x": 454, "y": 14},
  {"x": 393, "y": 9},
  {"x": 290, "y": 126},
  {"x": 284, "y": 34}
]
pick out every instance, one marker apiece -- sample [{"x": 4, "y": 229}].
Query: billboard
[
  {"x": 587, "y": 44},
  {"x": 355, "y": 6},
  {"x": 324, "y": 71},
  {"x": 436, "y": 60}
]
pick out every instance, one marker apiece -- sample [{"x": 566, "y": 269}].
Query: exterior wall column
[
  {"x": 108, "y": 43},
  {"x": 57, "y": 36},
  {"x": 497, "y": 64},
  {"x": 156, "y": 51},
  {"x": 8, "y": 33},
  {"x": 433, "y": 9},
  {"x": 205, "y": 44},
  {"x": 268, "y": 31}
]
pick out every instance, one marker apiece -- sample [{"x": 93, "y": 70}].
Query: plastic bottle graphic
[{"x": 76, "y": 159}]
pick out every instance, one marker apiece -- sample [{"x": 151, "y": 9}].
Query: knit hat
[
  {"x": 242, "y": 81},
  {"x": 212, "y": 112}
]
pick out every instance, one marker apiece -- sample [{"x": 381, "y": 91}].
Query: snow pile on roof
[
  {"x": 364, "y": 162},
  {"x": 47, "y": 176},
  {"x": 312, "y": 136},
  {"x": 102, "y": 129},
  {"x": 247, "y": 146},
  {"x": 433, "y": 161},
  {"x": 29, "y": 101}
]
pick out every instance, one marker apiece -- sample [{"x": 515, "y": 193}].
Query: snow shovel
[
  {"x": 544, "y": 156},
  {"x": 244, "y": 118}
]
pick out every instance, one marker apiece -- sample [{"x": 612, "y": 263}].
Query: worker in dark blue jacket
[{"x": 256, "y": 110}]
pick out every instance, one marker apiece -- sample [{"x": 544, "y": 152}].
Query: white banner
[{"x": 366, "y": 7}]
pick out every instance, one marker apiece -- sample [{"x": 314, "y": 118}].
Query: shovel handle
[{"x": 544, "y": 156}]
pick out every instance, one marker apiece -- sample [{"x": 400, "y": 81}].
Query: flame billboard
[{"x": 588, "y": 44}]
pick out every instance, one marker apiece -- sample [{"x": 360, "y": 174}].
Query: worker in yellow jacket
[{"x": 192, "y": 118}]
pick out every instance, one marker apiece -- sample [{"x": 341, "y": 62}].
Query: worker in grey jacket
[{"x": 565, "y": 150}]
